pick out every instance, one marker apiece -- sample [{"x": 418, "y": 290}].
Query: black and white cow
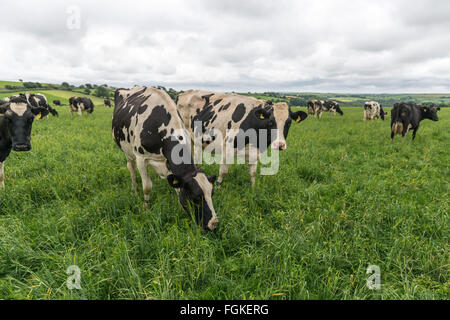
[
  {"x": 16, "y": 120},
  {"x": 2, "y": 102},
  {"x": 315, "y": 107},
  {"x": 56, "y": 102},
  {"x": 107, "y": 103},
  {"x": 407, "y": 116},
  {"x": 148, "y": 129},
  {"x": 233, "y": 116},
  {"x": 332, "y": 106},
  {"x": 81, "y": 104},
  {"x": 38, "y": 100},
  {"x": 373, "y": 110}
]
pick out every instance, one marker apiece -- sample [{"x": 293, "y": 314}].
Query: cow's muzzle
[
  {"x": 213, "y": 224},
  {"x": 22, "y": 147},
  {"x": 279, "y": 145}
]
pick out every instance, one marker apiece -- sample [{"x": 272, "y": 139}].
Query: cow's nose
[
  {"x": 22, "y": 147},
  {"x": 279, "y": 145}
]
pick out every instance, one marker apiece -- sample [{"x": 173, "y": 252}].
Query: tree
[
  {"x": 87, "y": 91},
  {"x": 65, "y": 85},
  {"x": 101, "y": 92}
]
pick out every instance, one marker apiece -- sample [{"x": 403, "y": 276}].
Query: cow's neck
[{"x": 182, "y": 169}]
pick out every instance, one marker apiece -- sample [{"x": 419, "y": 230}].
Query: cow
[
  {"x": 332, "y": 106},
  {"x": 38, "y": 100},
  {"x": 373, "y": 110},
  {"x": 107, "y": 103},
  {"x": 80, "y": 104},
  {"x": 407, "y": 116},
  {"x": 2, "y": 102},
  {"x": 233, "y": 116},
  {"x": 148, "y": 129},
  {"x": 315, "y": 107},
  {"x": 16, "y": 120},
  {"x": 56, "y": 102}
]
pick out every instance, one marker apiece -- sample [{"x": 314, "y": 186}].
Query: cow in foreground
[
  {"x": 373, "y": 110},
  {"x": 81, "y": 104},
  {"x": 16, "y": 120},
  {"x": 232, "y": 117},
  {"x": 407, "y": 116},
  {"x": 148, "y": 129}
]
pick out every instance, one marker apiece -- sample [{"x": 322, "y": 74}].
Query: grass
[{"x": 345, "y": 198}]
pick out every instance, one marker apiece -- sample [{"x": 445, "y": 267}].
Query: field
[{"x": 345, "y": 198}]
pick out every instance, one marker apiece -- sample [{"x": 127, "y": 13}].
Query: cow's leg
[
  {"x": 2, "y": 175},
  {"x": 71, "y": 112},
  {"x": 414, "y": 133},
  {"x": 405, "y": 130},
  {"x": 222, "y": 172},
  {"x": 146, "y": 182},
  {"x": 131, "y": 165},
  {"x": 79, "y": 111},
  {"x": 320, "y": 115}
]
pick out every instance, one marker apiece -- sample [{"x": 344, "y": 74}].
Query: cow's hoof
[
  {"x": 213, "y": 224},
  {"x": 147, "y": 205}
]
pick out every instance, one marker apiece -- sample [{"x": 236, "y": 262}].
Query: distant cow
[
  {"x": 233, "y": 116},
  {"x": 81, "y": 104},
  {"x": 107, "y": 103},
  {"x": 373, "y": 110},
  {"x": 315, "y": 107},
  {"x": 56, "y": 102},
  {"x": 332, "y": 106},
  {"x": 407, "y": 116},
  {"x": 147, "y": 128},
  {"x": 38, "y": 100},
  {"x": 16, "y": 120}
]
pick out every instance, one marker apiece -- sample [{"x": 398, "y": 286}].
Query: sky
[{"x": 341, "y": 46}]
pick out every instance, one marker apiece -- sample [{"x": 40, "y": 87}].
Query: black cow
[
  {"x": 81, "y": 104},
  {"x": 407, "y": 116},
  {"x": 148, "y": 129},
  {"x": 233, "y": 116},
  {"x": 56, "y": 102},
  {"x": 332, "y": 106},
  {"x": 16, "y": 120},
  {"x": 107, "y": 103}
]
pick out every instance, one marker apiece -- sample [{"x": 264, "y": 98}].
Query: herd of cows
[{"x": 148, "y": 126}]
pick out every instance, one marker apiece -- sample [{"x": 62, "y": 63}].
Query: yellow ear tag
[
  {"x": 175, "y": 182},
  {"x": 2, "y": 114},
  {"x": 39, "y": 115},
  {"x": 425, "y": 110},
  {"x": 261, "y": 116},
  {"x": 299, "y": 119}
]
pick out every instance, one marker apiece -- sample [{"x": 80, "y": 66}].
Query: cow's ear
[
  {"x": 174, "y": 181},
  {"x": 298, "y": 116},
  {"x": 212, "y": 179},
  {"x": 39, "y": 112},
  {"x": 3, "y": 109},
  {"x": 438, "y": 108},
  {"x": 262, "y": 114}
]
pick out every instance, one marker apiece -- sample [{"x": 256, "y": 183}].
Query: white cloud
[{"x": 240, "y": 45}]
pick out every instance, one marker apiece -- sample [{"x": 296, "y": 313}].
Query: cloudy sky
[{"x": 358, "y": 46}]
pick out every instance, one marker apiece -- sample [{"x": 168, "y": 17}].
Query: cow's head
[
  {"x": 382, "y": 113},
  {"x": 430, "y": 113},
  {"x": 195, "y": 194},
  {"x": 19, "y": 116},
  {"x": 280, "y": 118},
  {"x": 338, "y": 109}
]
